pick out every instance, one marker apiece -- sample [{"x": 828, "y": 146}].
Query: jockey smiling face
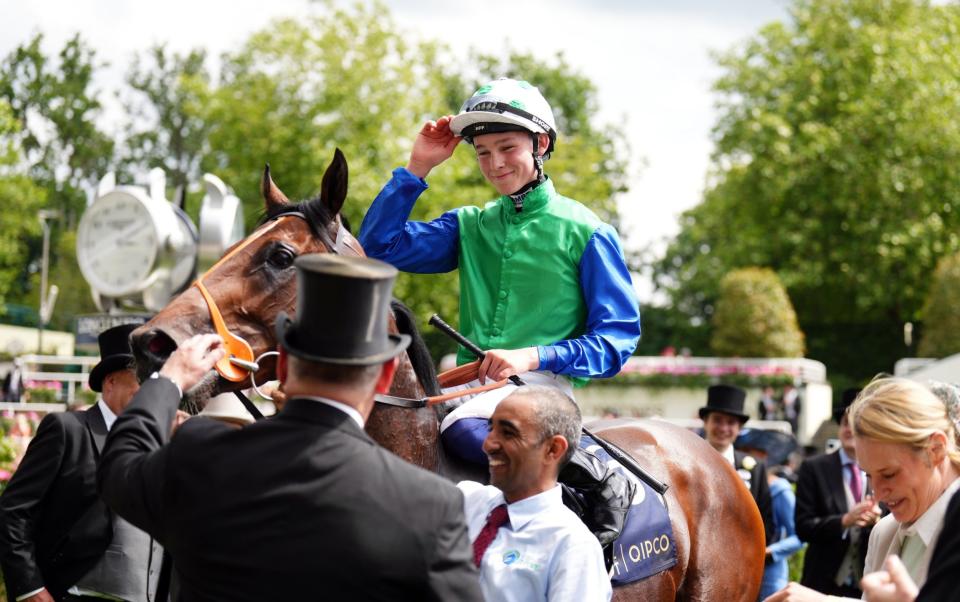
[
  {"x": 512, "y": 127},
  {"x": 506, "y": 159}
]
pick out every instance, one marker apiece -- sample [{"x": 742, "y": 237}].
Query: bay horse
[{"x": 717, "y": 528}]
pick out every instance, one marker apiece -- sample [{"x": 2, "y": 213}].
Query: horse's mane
[{"x": 419, "y": 354}]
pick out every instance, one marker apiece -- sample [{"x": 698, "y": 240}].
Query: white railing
[{"x": 33, "y": 377}]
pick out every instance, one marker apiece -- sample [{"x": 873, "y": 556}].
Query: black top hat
[
  {"x": 115, "y": 354},
  {"x": 725, "y": 399},
  {"x": 846, "y": 399},
  {"x": 342, "y": 308}
]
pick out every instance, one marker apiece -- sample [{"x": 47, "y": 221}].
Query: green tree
[
  {"x": 754, "y": 317},
  {"x": 941, "y": 317},
  {"x": 62, "y": 149},
  {"x": 57, "y": 108},
  {"x": 165, "y": 112},
  {"x": 21, "y": 199},
  {"x": 835, "y": 159},
  {"x": 349, "y": 78}
]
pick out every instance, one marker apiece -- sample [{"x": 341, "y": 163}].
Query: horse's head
[{"x": 254, "y": 280}]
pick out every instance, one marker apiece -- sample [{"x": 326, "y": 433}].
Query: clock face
[{"x": 117, "y": 244}]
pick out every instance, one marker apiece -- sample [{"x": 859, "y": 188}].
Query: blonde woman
[{"x": 906, "y": 441}]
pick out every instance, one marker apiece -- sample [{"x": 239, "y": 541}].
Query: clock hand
[{"x": 113, "y": 242}]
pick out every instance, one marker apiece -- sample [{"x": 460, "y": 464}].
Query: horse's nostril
[{"x": 156, "y": 346}]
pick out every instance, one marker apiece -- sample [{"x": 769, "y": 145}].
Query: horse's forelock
[{"x": 315, "y": 210}]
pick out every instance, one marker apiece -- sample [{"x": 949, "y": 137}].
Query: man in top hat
[
  {"x": 58, "y": 540},
  {"x": 302, "y": 505},
  {"x": 723, "y": 417},
  {"x": 835, "y": 514}
]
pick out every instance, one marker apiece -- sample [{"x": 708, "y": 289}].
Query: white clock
[{"x": 135, "y": 247}]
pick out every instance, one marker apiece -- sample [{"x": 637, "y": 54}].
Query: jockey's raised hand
[
  {"x": 193, "y": 359},
  {"x": 434, "y": 144}
]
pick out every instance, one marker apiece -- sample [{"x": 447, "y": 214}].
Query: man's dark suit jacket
[
  {"x": 821, "y": 504},
  {"x": 941, "y": 585},
  {"x": 53, "y": 526},
  {"x": 302, "y": 505},
  {"x": 759, "y": 489}
]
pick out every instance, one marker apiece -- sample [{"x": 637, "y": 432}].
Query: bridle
[{"x": 239, "y": 362}]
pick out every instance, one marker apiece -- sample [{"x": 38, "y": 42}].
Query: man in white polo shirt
[{"x": 527, "y": 544}]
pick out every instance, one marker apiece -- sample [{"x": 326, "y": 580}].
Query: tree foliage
[
  {"x": 165, "y": 124},
  {"x": 941, "y": 315},
  {"x": 754, "y": 317},
  {"x": 835, "y": 165},
  {"x": 21, "y": 199},
  {"x": 343, "y": 77},
  {"x": 349, "y": 78}
]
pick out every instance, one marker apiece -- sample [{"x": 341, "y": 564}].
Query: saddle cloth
[{"x": 646, "y": 546}]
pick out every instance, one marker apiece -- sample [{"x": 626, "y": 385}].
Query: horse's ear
[
  {"x": 333, "y": 188},
  {"x": 272, "y": 195}
]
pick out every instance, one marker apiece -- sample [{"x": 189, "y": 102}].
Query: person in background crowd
[
  {"x": 790, "y": 405},
  {"x": 835, "y": 514},
  {"x": 303, "y": 505},
  {"x": 527, "y": 544},
  {"x": 58, "y": 540},
  {"x": 723, "y": 418},
  {"x": 906, "y": 441},
  {"x": 767, "y": 406},
  {"x": 774, "y": 448}
]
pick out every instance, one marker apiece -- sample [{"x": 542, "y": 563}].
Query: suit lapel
[
  {"x": 835, "y": 481},
  {"x": 97, "y": 427}
]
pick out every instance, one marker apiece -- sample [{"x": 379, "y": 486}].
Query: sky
[{"x": 650, "y": 60}]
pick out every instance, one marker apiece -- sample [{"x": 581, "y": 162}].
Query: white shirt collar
[
  {"x": 108, "y": 416},
  {"x": 930, "y": 523},
  {"x": 845, "y": 458},
  {"x": 728, "y": 456},
  {"x": 523, "y": 511},
  {"x": 346, "y": 409}
]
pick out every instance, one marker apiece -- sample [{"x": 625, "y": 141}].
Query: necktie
[
  {"x": 911, "y": 553},
  {"x": 855, "y": 487},
  {"x": 497, "y": 517}
]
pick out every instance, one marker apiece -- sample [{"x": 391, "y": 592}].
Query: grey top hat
[{"x": 343, "y": 305}]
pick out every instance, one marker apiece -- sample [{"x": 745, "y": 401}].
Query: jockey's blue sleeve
[
  {"x": 419, "y": 247},
  {"x": 613, "y": 314}
]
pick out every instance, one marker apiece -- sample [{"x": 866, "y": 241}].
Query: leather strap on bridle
[{"x": 236, "y": 346}]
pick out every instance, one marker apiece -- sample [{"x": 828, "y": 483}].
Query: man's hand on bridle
[{"x": 193, "y": 360}]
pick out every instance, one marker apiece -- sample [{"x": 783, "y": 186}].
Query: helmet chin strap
[{"x": 518, "y": 196}]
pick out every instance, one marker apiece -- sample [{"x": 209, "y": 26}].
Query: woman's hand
[
  {"x": 794, "y": 592},
  {"x": 434, "y": 145},
  {"x": 891, "y": 585}
]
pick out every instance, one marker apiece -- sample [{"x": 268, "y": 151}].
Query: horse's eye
[{"x": 281, "y": 258}]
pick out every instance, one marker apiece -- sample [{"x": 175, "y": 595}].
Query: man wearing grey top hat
[
  {"x": 58, "y": 540},
  {"x": 302, "y": 505}
]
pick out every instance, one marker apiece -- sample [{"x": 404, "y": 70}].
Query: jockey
[{"x": 544, "y": 286}]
